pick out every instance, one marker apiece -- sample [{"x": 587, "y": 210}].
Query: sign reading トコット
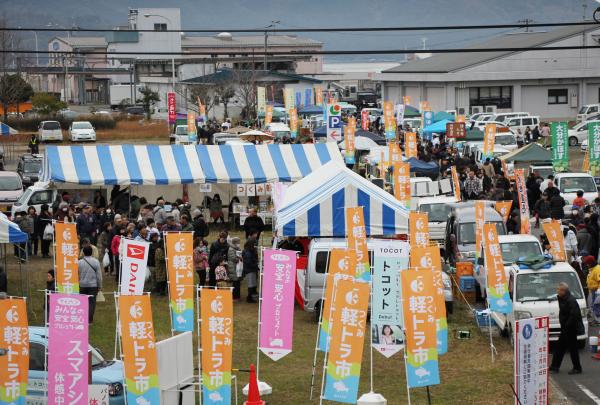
[
  {"x": 357, "y": 240},
  {"x": 140, "y": 360},
  {"x": 216, "y": 313},
  {"x": 402, "y": 183},
  {"x": 67, "y": 258},
  {"x": 277, "y": 309},
  {"x": 418, "y": 224},
  {"x": 14, "y": 365},
  {"x": 171, "y": 108},
  {"x": 497, "y": 289},
  {"x": 133, "y": 266},
  {"x": 531, "y": 361},
  {"x": 180, "y": 270},
  {"x": 68, "y": 349},
  {"x": 553, "y": 231}
]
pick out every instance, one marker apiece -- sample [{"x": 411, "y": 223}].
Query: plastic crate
[
  {"x": 464, "y": 269},
  {"x": 467, "y": 283},
  {"x": 483, "y": 319}
]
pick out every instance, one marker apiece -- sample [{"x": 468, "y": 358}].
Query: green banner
[
  {"x": 594, "y": 147},
  {"x": 560, "y": 146}
]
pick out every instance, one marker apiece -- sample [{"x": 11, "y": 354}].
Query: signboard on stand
[{"x": 531, "y": 361}]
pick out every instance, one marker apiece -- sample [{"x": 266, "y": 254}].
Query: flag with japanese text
[
  {"x": 489, "y": 140},
  {"x": 261, "y": 99},
  {"x": 216, "y": 313},
  {"x": 134, "y": 261},
  {"x": 268, "y": 115},
  {"x": 406, "y": 100},
  {"x": 349, "y": 139},
  {"x": 410, "y": 144},
  {"x": 523, "y": 201},
  {"x": 341, "y": 263},
  {"x": 14, "y": 365},
  {"x": 364, "y": 120},
  {"x": 532, "y": 344},
  {"x": 382, "y": 166},
  {"x": 418, "y": 225},
  {"x": 402, "y": 183},
  {"x": 348, "y": 324},
  {"x": 503, "y": 208},
  {"x": 357, "y": 240},
  {"x": 390, "y": 257},
  {"x": 553, "y": 231},
  {"x": 319, "y": 100},
  {"x": 179, "y": 248},
  {"x": 293, "y": 114},
  {"x": 308, "y": 97},
  {"x": 594, "y": 148},
  {"x": 171, "y": 108},
  {"x": 191, "y": 125},
  {"x": 428, "y": 259},
  {"x": 68, "y": 349},
  {"x": 559, "y": 131},
  {"x": 399, "y": 113},
  {"x": 67, "y": 258},
  {"x": 277, "y": 309},
  {"x": 455, "y": 183},
  {"x": 140, "y": 360},
  {"x": 389, "y": 120},
  {"x": 418, "y": 298},
  {"x": 497, "y": 289},
  {"x": 289, "y": 98},
  {"x": 479, "y": 221},
  {"x": 394, "y": 153}
]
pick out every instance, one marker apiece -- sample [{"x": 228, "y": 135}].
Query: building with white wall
[{"x": 553, "y": 84}]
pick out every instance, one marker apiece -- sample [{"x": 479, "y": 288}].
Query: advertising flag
[
  {"x": 427, "y": 118},
  {"x": 261, "y": 99},
  {"x": 410, "y": 144},
  {"x": 202, "y": 112},
  {"x": 382, "y": 166},
  {"x": 418, "y": 303},
  {"x": 133, "y": 266},
  {"x": 390, "y": 258},
  {"x": 308, "y": 97},
  {"x": 293, "y": 113},
  {"x": 351, "y": 303},
  {"x": 461, "y": 118},
  {"x": 14, "y": 366},
  {"x": 364, "y": 120},
  {"x": 406, "y": 100},
  {"x": 388, "y": 120},
  {"x": 594, "y": 148},
  {"x": 394, "y": 153},
  {"x": 340, "y": 264},
  {"x": 428, "y": 259},
  {"x": 334, "y": 122},
  {"x": 402, "y": 183},
  {"x": 268, "y": 115},
  {"x": 216, "y": 312},
  {"x": 179, "y": 249},
  {"x": 349, "y": 146},
  {"x": 560, "y": 146},
  {"x": 171, "y": 107},
  {"x": 456, "y": 183},
  {"x": 424, "y": 106},
  {"x": 289, "y": 98},
  {"x": 357, "y": 240},
  {"x": 418, "y": 224},
  {"x": 586, "y": 162},
  {"x": 68, "y": 349},
  {"x": 139, "y": 351},
  {"x": 277, "y": 309},
  {"x": 523, "y": 203},
  {"x": 191, "y": 126},
  {"x": 503, "y": 208},
  {"x": 497, "y": 289},
  {"x": 531, "y": 360},
  {"x": 399, "y": 113},
  {"x": 553, "y": 231},
  {"x": 479, "y": 221},
  {"x": 489, "y": 139},
  {"x": 298, "y": 99},
  {"x": 318, "y": 95},
  {"x": 67, "y": 258}
]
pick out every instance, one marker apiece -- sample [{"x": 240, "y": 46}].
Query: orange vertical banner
[
  {"x": 14, "y": 365},
  {"x": 497, "y": 290},
  {"x": 394, "y": 153},
  {"x": 479, "y": 221},
  {"x": 456, "y": 183},
  {"x": 410, "y": 144},
  {"x": 523, "y": 203},
  {"x": 406, "y": 100},
  {"x": 382, "y": 166},
  {"x": 489, "y": 139},
  {"x": 67, "y": 258},
  {"x": 216, "y": 313},
  {"x": 357, "y": 240},
  {"x": 180, "y": 270},
  {"x": 268, "y": 115},
  {"x": 139, "y": 351},
  {"x": 503, "y": 208},
  {"x": 556, "y": 239},
  {"x": 402, "y": 183},
  {"x": 418, "y": 225},
  {"x": 460, "y": 118}
]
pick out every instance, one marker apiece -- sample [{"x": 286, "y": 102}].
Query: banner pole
[
  {"x": 371, "y": 334},
  {"x": 323, "y": 298},
  {"x": 492, "y": 347},
  {"x": 199, "y": 341},
  {"x": 168, "y": 282},
  {"x": 47, "y": 325},
  {"x": 331, "y": 310},
  {"x": 428, "y": 396},
  {"x": 116, "y": 324},
  {"x": 120, "y": 344},
  {"x": 260, "y": 293}
]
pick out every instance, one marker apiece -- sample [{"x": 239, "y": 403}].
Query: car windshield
[
  {"x": 24, "y": 197},
  {"x": 10, "y": 183},
  {"x": 436, "y": 212},
  {"x": 583, "y": 109},
  {"x": 505, "y": 140},
  {"x": 32, "y": 166},
  {"x": 51, "y": 125},
  {"x": 573, "y": 184},
  {"x": 82, "y": 125},
  {"x": 466, "y": 232},
  {"x": 511, "y": 251},
  {"x": 542, "y": 286},
  {"x": 181, "y": 131},
  {"x": 500, "y": 118}
]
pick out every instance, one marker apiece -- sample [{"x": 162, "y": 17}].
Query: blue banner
[
  {"x": 427, "y": 118},
  {"x": 298, "y": 99},
  {"x": 308, "y": 98}
]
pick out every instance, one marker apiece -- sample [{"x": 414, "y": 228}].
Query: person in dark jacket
[
  {"x": 200, "y": 226},
  {"x": 250, "y": 265},
  {"x": 584, "y": 240},
  {"x": 542, "y": 207},
  {"x": 512, "y": 224},
  {"x": 218, "y": 249},
  {"x": 253, "y": 223},
  {"x": 571, "y": 325},
  {"x": 292, "y": 243},
  {"x": 557, "y": 205}
]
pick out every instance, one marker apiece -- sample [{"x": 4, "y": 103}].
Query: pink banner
[
  {"x": 68, "y": 349},
  {"x": 277, "y": 308},
  {"x": 171, "y": 107}
]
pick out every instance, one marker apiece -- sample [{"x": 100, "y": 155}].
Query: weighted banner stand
[{"x": 322, "y": 306}]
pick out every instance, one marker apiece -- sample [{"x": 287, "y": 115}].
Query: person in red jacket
[{"x": 115, "y": 246}]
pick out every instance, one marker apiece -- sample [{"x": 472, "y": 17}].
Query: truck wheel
[
  {"x": 573, "y": 141},
  {"x": 318, "y": 311}
]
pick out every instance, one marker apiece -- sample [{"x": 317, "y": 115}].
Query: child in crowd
[
  {"x": 221, "y": 274},
  {"x": 201, "y": 259}
]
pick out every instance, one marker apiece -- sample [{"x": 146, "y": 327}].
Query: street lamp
[
  {"x": 273, "y": 23},
  {"x": 37, "y": 55},
  {"x": 170, "y": 43}
]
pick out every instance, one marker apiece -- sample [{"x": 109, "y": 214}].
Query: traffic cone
[{"x": 253, "y": 393}]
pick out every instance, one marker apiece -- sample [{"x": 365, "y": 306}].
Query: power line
[
  {"x": 326, "y": 29},
  {"x": 304, "y": 53}
]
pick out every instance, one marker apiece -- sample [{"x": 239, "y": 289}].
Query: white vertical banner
[
  {"x": 134, "y": 261},
  {"x": 531, "y": 361}
]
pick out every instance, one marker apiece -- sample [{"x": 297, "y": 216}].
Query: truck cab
[
  {"x": 569, "y": 183},
  {"x": 35, "y": 196},
  {"x": 438, "y": 209}
]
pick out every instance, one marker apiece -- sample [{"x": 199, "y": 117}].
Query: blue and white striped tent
[
  {"x": 315, "y": 205},
  {"x": 6, "y": 130},
  {"x": 10, "y": 232},
  {"x": 184, "y": 164}
]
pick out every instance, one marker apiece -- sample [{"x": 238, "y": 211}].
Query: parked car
[
  {"x": 438, "y": 209},
  {"x": 543, "y": 170},
  {"x": 50, "y": 131},
  {"x": 507, "y": 141},
  {"x": 587, "y": 111},
  {"x": 68, "y": 114},
  {"x": 504, "y": 117},
  {"x": 584, "y": 145},
  {"x": 180, "y": 136},
  {"x": 521, "y": 123},
  {"x": 29, "y": 168},
  {"x": 579, "y": 133},
  {"x": 11, "y": 189},
  {"x": 569, "y": 183},
  {"x": 104, "y": 372},
  {"x": 82, "y": 131},
  {"x": 135, "y": 110}
]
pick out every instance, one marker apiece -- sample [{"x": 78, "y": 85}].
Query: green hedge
[{"x": 31, "y": 124}]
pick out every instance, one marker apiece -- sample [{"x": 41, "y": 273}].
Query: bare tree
[
  {"x": 245, "y": 83},
  {"x": 224, "y": 91}
]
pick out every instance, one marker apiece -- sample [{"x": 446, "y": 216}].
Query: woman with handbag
[
  {"x": 90, "y": 279},
  {"x": 44, "y": 221}
]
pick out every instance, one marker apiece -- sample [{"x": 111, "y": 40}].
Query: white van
[
  {"x": 279, "y": 130},
  {"x": 497, "y": 152},
  {"x": 521, "y": 123},
  {"x": 50, "y": 131},
  {"x": 438, "y": 209},
  {"x": 504, "y": 117},
  {"x": 506, "y": 140},
  {"x": 569, "y": 183},
  {"x": 316, "y": 272},
  {"x": 587, "y": 111},
  {"x": 35, "y": 196},
  {"x": 579, "y": 133}
]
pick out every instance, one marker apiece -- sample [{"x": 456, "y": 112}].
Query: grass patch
[{"x": 136, "y": 130}]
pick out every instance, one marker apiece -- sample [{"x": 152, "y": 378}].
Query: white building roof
[
  {"x": 80, "y": 42},
  {"x": 246, "y": 41}
]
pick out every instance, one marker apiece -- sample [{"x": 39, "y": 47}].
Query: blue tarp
[
  {"x": 443, "y": 115},
  {"x": 311, "y": 110},
  {"x": 437, "y": 127},
  {"x": 420, "y": 166}
]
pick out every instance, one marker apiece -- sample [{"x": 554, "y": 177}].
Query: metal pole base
[
  {"x": 371, "y": 398},
  {"x": 263, "y": 389}
]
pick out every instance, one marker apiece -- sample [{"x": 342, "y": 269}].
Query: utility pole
[
  {"x": 584, "y": 7},
  {"x": 273, "y": 23}
]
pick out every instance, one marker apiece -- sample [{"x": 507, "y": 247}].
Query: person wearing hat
[
  {"x": 86, "y": 223},
  {"x": 171, "y": 225},
  {"x": 234, "y": 254},
  {"x": 200, "y": 226},
  {"x": 593, "y": 284}
]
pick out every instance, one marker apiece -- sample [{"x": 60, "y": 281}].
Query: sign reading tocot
[{"x": 133, "y": 266}]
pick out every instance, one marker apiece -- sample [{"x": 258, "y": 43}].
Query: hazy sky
[{"x": 309, "y": 13}]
